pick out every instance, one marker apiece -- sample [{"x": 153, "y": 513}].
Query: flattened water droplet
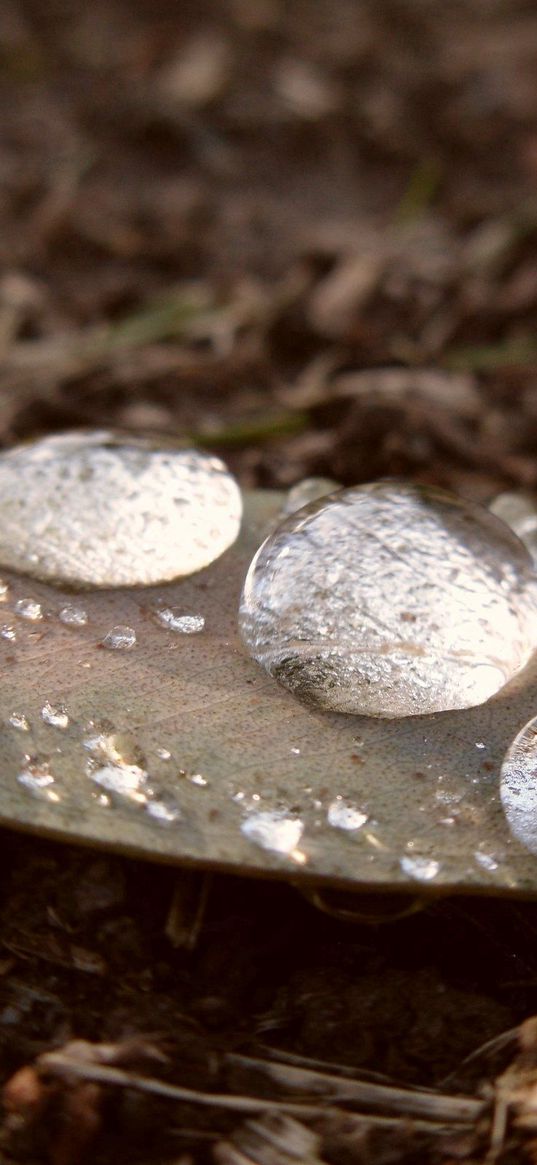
[
  {"x": 73, "y": 615},
  {"x": 518, "y": 786},
  {"x": 174, "y": 619},
  {"x": 100, "y": 509},
  {"x": 55, "y": 717},
  {"x": 391, "y": 600},
  {"x": 344, "y": 815},
  {"x": 273, "y": 830},
  {"x": 19, "y": 720},
  {"x": 119, "y": 638},
  {"x": 29, "y": 609},
  {"x": 518, "y": 509},
  {"x": 422, "y": 869},
  {"x": 38, "y": 780},
  {"x": 486, "y": 861}
]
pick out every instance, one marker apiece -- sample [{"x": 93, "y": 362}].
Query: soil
[{"x": 304, "y": 235}]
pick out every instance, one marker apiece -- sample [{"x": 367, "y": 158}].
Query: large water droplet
[
  {"x": 19, "y": 721},
  {"x": 391, "y": 600},
  {"x": 97, "y": 509},
  {"x": 518, "y": 786}
]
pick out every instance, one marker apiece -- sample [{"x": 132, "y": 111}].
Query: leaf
[{"x": 428, "y": 787}]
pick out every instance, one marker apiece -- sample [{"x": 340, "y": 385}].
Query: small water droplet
[
  {"x": 273, "y": 830},
  {"x": 197, "y": 779},
  {"x": 95, "y": 508},
  {"x": 164, "y": 753},
  {"x": 38, "y": 780},
  {"x": 29, "y": 609},
  {"x": 519, "y": 511},
  {"x": 306, "y": 491},
  {"x": 486, "y": 861},
  {"x": 434, "y": 606},
  {"x": 119, "y": 638},
  {"x": 163, "y": 812},
  {"x": 174, "y": 619},
  {"x": 480, "y": 744},
  {"x": 344, "y": 815},
  {"x": 19, "y": 720},
  {"x": 73, "y": 615},
  {"x": 295, "y": 751},
  {"x": 55, "y": 717},
  {"x": 420, "y": 868},
  {"x": 8, "y": 633}
]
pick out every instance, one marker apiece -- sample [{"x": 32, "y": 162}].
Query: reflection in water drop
[
  {"x": 344, "y": 815},
  {"x": 38, "y": 780},
  {"x": 422, "y": 869},
  {"x": 519, "y": 510},
  {"x": 73, "y": 615},
  {"x": 55, "y": 717},
  {"x": 306, "y": 491},
  {"x": 99, "y": 509},
  {"x": 119, "y": 638},
  {"x": 518, "y": 786},
  {"x": 273, "y": 830},
  {"x": 391, "y": 600},
  {"x": 19, "y": 720},
  {"x": 29, "y": 609},
  {"x": 174, "y": 619}
]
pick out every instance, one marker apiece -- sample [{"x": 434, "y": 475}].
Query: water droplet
[
  {"x": 8, "y": 633},
  {"x": 38, "y": 780},
  {"x": 19, "y": 720},
  {"x": 4, "y": 591},
  {"x": 344, "y": 815},
  {"x": 391, "y": 600},
  {"x": 73, "y": 615},
  {"x": 29, "y": 609},
  {"x": 480, "y": 744},
  {"x": 116, "y": 764},
  {"x": 164, "y": 753},
  {"x": 174, "y": 619},
  {"x": 518, "y": 786},
  {"x": 119, "y": 638},
  {"x": 295, "y": 751},
  {"x": 519, "y": 511},
  {"x": 306, "y": 491},
  {"x": 55, "y": 717},
  {"x": 96, "y": 508},
  {"x": 163, "y": 812},
  {"x": 422, "y": 869},
  {"x": 197, "y": 779},
  {"x": 273, "y": 830},
  {"x": 126, "y": 780},
  {"x": 486, "y": 861}
]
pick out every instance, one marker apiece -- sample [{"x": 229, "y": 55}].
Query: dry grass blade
[{"x": 380, "y": 1098}]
